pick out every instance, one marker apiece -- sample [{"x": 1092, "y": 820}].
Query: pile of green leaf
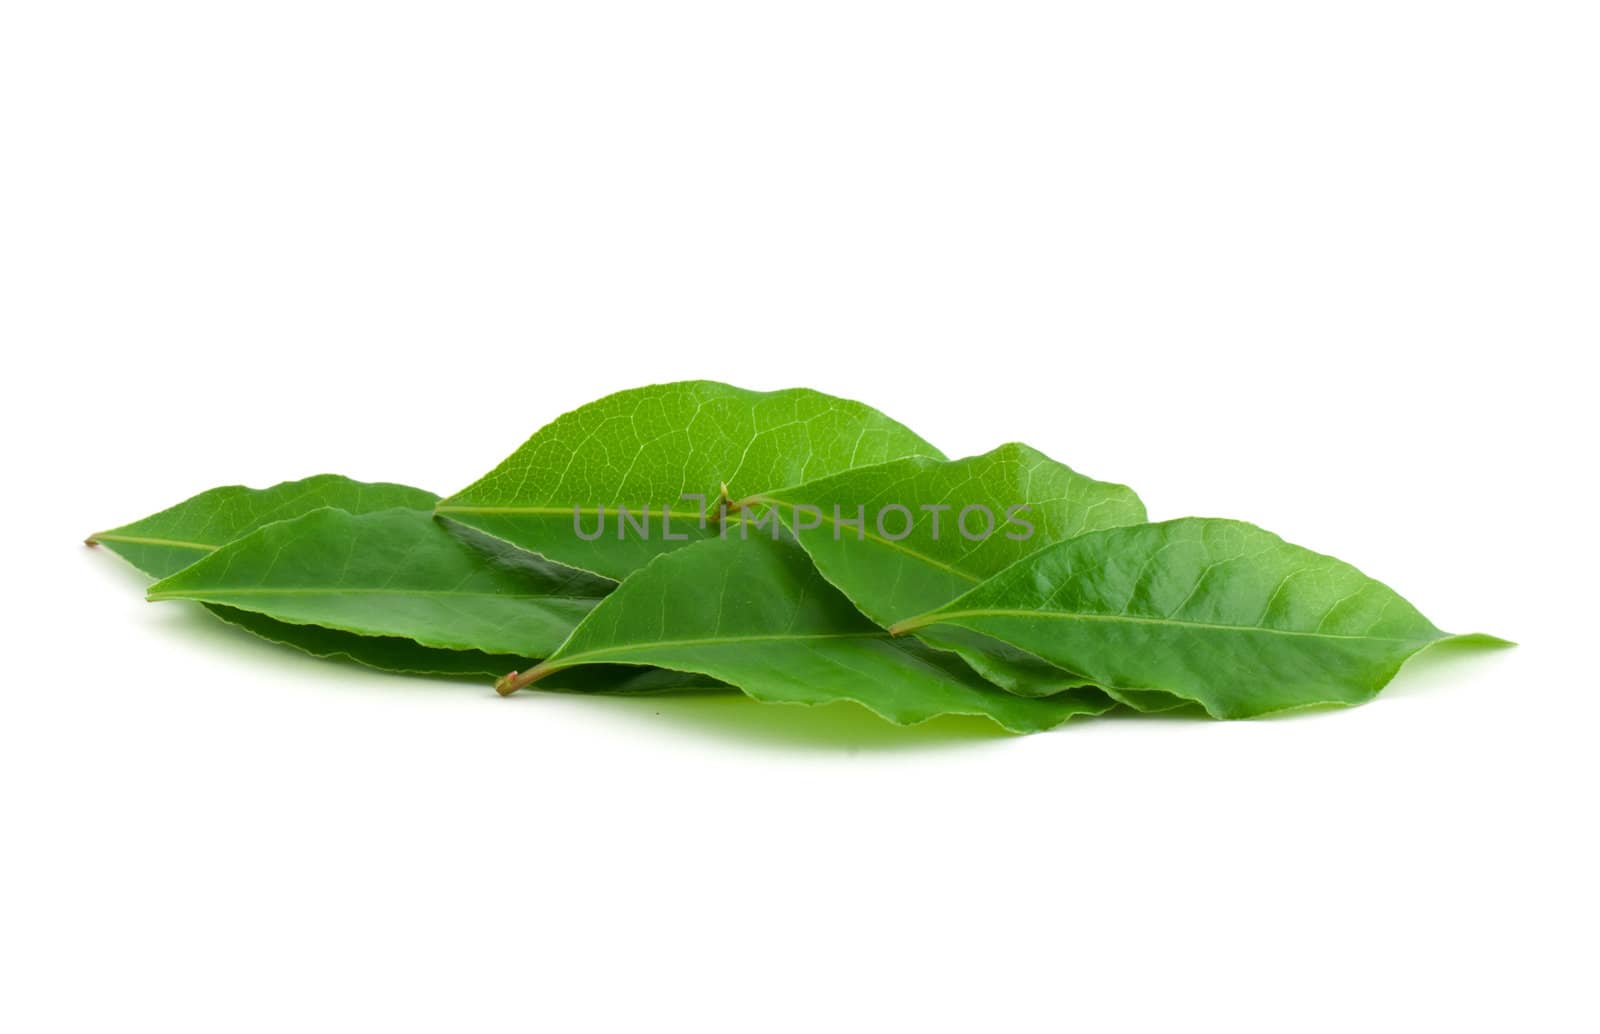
[{"x": 1096, "y": 608}]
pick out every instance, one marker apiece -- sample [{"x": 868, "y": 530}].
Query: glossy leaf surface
[
  {"x": 167, "y": 542},
  {"x": 393, "y": 573},
  {"x": 1217, "y": 612},
  {"x": 905, "y": 537},
  {"x": 650, "y": 448},
  {"x": 757, "y": 615}
]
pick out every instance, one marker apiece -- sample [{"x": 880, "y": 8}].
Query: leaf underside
[
  {"x": 406, "y": 657},
  {"x": 386, "y": 653}
]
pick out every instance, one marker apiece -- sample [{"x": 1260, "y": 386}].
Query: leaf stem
[
  {"x": 900, "y": 628},
  {"x": 725, "y": 505},
  {"x": 514, "y": 681}
]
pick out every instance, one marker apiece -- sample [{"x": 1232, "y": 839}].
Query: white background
[{"x": 1328, "y": 267}]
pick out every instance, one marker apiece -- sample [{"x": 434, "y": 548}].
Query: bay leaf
[
  {"x": 396, "y": 573},
  {"x": 757, "y": 615},
  {"x": 405, "y": 656},
  {"x": 675, "y": 450},
  {"x": 908, "y": 536},
  {"x": 166, "y": 542},
  {"x": 386, "y": 653},
  {"x": 1217, "y": 612}
]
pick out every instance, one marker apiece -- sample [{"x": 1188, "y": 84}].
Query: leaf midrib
[
  {"x": 1057, "y": 615},
  {"x": 142, "y": 540},
  {"x": 869, "y": 536},
  {"x": 264, "y": 591},
  {"x": 560, "y": 511}
]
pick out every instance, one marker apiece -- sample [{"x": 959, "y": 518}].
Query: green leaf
[
  {"x": 652, "y": 448},
  {"x": 1217, "y": 612},
  {"x": 393, "y": 573},
  {"x": 905, "y": 537},
  {"x": 757, "y": 615},
  {"x": 387, "y": 653},
  {"x": 167, "y": 542},
  {"x": 407, "y": 657}
]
